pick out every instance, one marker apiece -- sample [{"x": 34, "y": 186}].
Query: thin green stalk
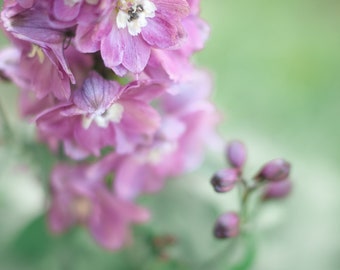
[
  {"x": 245, "y": 198},
  {"x": 218, "y": 256},
  {"x": 249, "y": 256},
  {"x": 8, "y": 133}
]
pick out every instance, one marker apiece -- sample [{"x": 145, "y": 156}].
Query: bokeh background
[{"x": 276, "y": 69}]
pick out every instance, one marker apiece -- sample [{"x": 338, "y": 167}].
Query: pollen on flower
[
  {"x": 113, "y": 114},
  {"x": 133, "y": 13},
  {"x": 37, "y": 51},
  {"x": 157, "y": 153},
  {"x": 81, "y": 207}
]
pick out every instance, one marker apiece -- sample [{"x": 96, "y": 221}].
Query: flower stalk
[{"x": 6, "y": 127}]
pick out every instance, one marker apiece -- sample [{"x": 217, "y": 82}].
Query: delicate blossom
[
  {"x": 110, "y": 82},
  {"x": 103, "y": 113},
  {"x": 79, "y": 196},
  {"x": 126, "y": 33}
]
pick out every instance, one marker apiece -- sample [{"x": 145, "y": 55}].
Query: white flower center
[
  {"x": 157, "y": 153},
  {"x": 113, "y": 114},
  {"x": 133, "y": 13}
]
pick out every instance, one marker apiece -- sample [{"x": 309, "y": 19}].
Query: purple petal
[
  {"x": 139, "y": 117},
  {"x": 173, "y": 10},
  {"x": 64, "y": 12},
  {"x": 160, "y": 33},
  {"x": 96, "y": 93},
  {"x": 112, "y": 48},
  {"x": 136, "y": 52},
  {"x": 143, "y": 90}
]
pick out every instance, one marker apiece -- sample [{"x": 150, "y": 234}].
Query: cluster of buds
[
  {"x": 111, "y": 83},
  {"x": 272, "y": 179}
]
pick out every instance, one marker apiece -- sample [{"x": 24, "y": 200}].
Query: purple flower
[
  {"x": 68, "y": 10},
  {"x": 30, "y": 69},
  {"x": 174, "y": 64},
  {"x": 145, "y": 170},
  {"x": 36, "y": 26},
  {"x": 187, "y": 125},
  {"x": 102, "y": 114},
  {"x": 127, "y": 31},
  {"x": 79, "y": 196}
]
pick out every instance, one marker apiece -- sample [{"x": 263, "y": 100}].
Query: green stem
[
  {"x": 244, "y": 202},
  {"x": 249, "y": 256},
  {"x": 8, "y": 134},
  {"x": 217, "y": 257},
  {"x": 248, "y": 190}
]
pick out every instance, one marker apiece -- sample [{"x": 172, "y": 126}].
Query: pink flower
[
  {"x": 127, "y": 31},
  {"x": 68, "y": 10},
  {"x": 146, "y": 169},
  {"x": 174, "y": 64},
  {"x": 79, "y": 196},
  {"x": 102, "y": 113},
  {"x": 188, "y": 123},
  {"x": 36, "y": 26},
  {"x": 29, "y": 68}
]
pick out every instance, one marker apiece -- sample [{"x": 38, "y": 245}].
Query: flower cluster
[
  {"x": 272, "y": 179},
  {"x": 110, "y": 82}
]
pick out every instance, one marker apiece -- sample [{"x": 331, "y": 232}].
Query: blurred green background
[
  {"x": 276, "y": 68},
  {"x": 277, "y": 74}
]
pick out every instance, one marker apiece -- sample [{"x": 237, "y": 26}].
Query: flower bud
[
  {"x": 224, "y": 180},
  {"x": 227, "y": 225},
  {"x": 275, "y": 170},
  {"x": 277, "y": 190},
  {"x": 236, "y": 154}
]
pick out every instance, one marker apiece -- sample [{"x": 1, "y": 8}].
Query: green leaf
[{"x": 33, "y": 242}]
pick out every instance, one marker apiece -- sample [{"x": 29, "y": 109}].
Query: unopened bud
[
  {"x": 277, "y": 190},
  {"x": 227, "y": 225},
  {"x": 236, "y": 154},
  {"x": 224, "y": 180},
  {"x": 275, "y": 170}
]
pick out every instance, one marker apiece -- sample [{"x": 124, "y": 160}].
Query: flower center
[
  {"x": 81, "y": 207},
  {"x": 157, "y": 153},
  {"x": 37, "y": 51},
  {"x": 113, "y": 114},
  {"x": 133, "y": 13}
]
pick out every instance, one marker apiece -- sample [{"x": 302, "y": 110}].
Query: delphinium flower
[
  {"x": 35, "y": 25},
  {"x": 172, "y": 64},
  {"x": 103, "y": 113},
  {"x": 187, "y": 121},
  {"x": 80, "y": 196},
  {"x": 32, "y": 70},
  {"x": 125, "y": 31},
  {"x": 110, "y": 84}
]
